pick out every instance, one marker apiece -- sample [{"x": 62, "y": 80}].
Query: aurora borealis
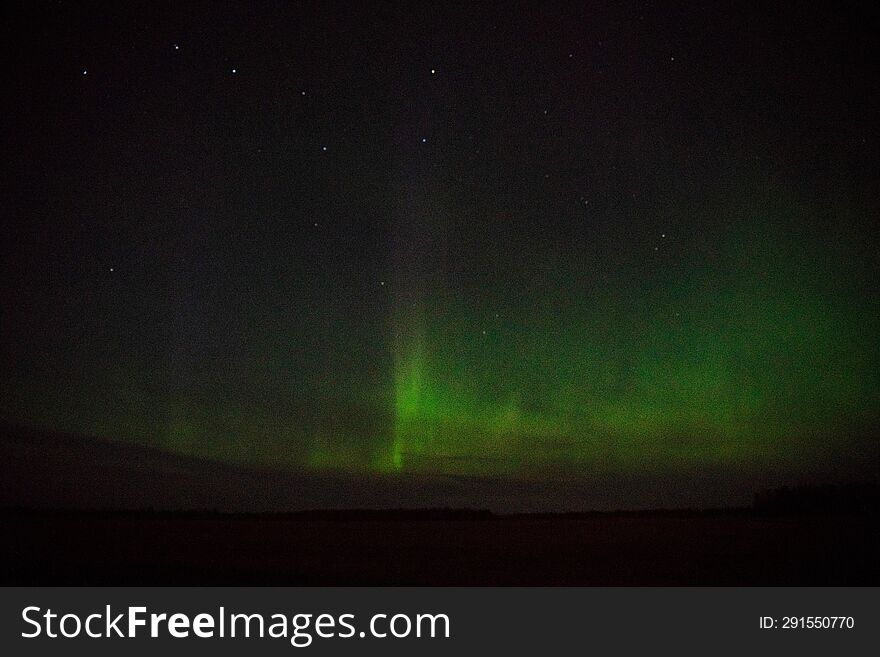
[
  {"x": 749, "y": 350},
  {"x": 514, "y": 241}
]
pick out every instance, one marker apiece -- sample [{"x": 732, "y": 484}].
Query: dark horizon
[{"x": 50, "y": 471}]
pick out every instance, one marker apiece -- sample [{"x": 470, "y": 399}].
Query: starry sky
[{"x": 520, "y": 240}]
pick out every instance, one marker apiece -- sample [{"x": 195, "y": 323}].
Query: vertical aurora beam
[
  {"x": 408, "y": 392},
  {"x": 418, "y": 244}
]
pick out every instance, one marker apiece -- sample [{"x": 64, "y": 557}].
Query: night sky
[{"x": 513, "y": 240}]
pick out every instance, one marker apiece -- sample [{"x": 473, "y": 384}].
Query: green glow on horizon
[
  {"x": 765, "y": 355},
  {"x": 757, "y": 349}
]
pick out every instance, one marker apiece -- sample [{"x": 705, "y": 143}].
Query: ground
[{"x": 733, "y": 548}]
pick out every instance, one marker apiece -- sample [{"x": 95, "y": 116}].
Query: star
[
  {"x": 176, "y": 47},
  {"x": 433, "y": 71},
  {"x": 235, "y": 70},
  {"x": 85, "y": 72},
  {"x": 324, "y": 148},
  {"x": 424, "y": 140},
  {"x": 111, "y": 269}
]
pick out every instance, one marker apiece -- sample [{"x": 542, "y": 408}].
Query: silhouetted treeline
[
  {"x": 384, "y": 514},
  {"x": 808, "y": 499},
  {"x": 636, "y": 513},
  {"x": 316, "y": 514},
  {"x": 852, "y": 498}
]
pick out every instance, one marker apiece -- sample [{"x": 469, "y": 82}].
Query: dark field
[{"x": 99, "y": 548}]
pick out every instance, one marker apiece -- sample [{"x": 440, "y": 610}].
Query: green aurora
[
  {"x": 747, "y": 343},
  {"x": 756, "y": 350},
  {"x": 548, "y": 256}
]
